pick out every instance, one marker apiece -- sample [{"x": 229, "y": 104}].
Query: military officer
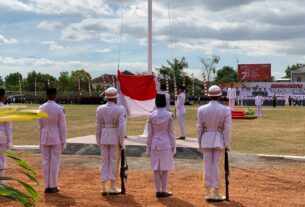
[
  {"x": 5, "y": 136},
  {"x": 214, "y": 135},
  {"x": 258, "y": 103},
  {"x": 52, "y": 140},
  {"x": 161, "y": 144},
  {"x": 167, "y": 96},
  {"x": 231, "y": 95},
  {"x": 110, "y": 131},
  {"x": 181, "y": 112}
]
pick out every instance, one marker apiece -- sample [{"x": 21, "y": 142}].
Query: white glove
[
  {"x": 63, "y": 146},
  {"x": 174, "y": 150},
  {"x": 8, "y": 145}
]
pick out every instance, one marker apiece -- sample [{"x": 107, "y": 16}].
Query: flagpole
[{"x": 149, "y": 36}]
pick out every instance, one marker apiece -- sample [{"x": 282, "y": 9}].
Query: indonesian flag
[{"x": 138, "y": 93}]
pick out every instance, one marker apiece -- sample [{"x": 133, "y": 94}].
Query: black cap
[
  {"x": 51, "y": 91},
  {"x": 182, "y": 87},
  {"x": 160, "y": 100},
  {"x": 163, "y": 87},
  {"x": 2, "y": 92}
]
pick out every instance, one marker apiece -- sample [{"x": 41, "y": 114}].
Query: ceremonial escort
[
  {"x": 110, "y": 134},
  {"x": 214, "y": 136}
]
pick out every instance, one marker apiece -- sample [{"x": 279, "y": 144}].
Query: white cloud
[
  {"x": 25, "y": 65},
  {"x": 49, "y": 25},
  {"x": 5, "y": 40},
  {"x": 59, "y": 50},
  {"x": 106, "y": 50},
  {"x": 82, "y": 7}
]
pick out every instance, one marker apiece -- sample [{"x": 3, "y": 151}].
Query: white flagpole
[{"x": 149, "y": 36}]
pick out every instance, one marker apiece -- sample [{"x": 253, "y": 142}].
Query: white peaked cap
[
  {"x": 214, "y": 91},
  {"x": 111, "y": 92}
]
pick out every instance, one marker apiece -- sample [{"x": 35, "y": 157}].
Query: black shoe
[
  {"x": 159, "y": 194},
  {"x": 47, "y": 190},
  {"x": 167, "y": 194},
  {"x": 182, "y": 138},
  {"x": 54, "y": 190}
]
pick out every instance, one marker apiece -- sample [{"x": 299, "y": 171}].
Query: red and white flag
[{"x": 139, "y": 93}]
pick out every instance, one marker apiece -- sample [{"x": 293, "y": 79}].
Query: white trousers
[
  {"x": 232, "y": 103},
  {"x": 259, "y": 111},
  {"x": 50, "y": 160},
  {"x": 181, "y": 122},
  {"x": 212, "y": 158},
  {"x": 2, "y": 161},
  {"x": 109, "y": 155}
]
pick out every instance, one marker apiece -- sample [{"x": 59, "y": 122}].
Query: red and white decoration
[
  {"x": 89, "y": 85},
  {"x": 113, "y": 82},
  {"x": 167, "y": 86},
  {"x": 139, "y": 92},
  {"x": 205, "y": 86},
  {"x": 193, "y": 85},
  {"x": 175, "y": 88},
  {"x": 78, "y": 82},
  {"x": 104, "y": 82}
]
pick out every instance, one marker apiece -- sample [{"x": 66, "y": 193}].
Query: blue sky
[{"x": 51, "y": 36}]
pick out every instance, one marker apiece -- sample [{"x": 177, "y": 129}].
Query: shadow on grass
[
  {"x": 121, "y": 200},
  {"x": 174, "y": 202},
  {"x": 58, "y": 199}
]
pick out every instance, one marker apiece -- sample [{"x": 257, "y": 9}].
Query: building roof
[
  {"x": 300, "y": 70},
  {"x": 108, "y": 77}
]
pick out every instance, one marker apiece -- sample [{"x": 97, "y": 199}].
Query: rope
[
  {"x": 120, "y": 42},
  {"x": 170, "y": 30}
]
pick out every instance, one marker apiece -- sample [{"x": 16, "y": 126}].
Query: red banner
[{"x": 254, "y": 72}]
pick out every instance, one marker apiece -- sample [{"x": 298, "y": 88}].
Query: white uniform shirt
[
  {"x": 180, "y": 103},
  {"x": 161, "y": 130},
  {"x": 209, "y": 118},
  {"x": 259, "y": 100},
  {"x": 5, "y": 130},
  {"x": 110, "y": 124},
  {"x": 231, "y": 93},
  {"x": 53, "y": 129}
]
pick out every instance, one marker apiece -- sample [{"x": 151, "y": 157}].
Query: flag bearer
[
  {"x": 214, "y": 135},
  {"x": 52, "y": 140},
  {"x": 161, "y": 145},
  {"x": 110, "y": 132}
]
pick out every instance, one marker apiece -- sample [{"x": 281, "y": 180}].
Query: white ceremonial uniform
[
  {"x": 52, "y": 141},
  {"x": 181, "y": 113},
  {"x": 110, "y": 132},
  {"x": 258, "y": 103},
  {"x": 231, "y": 95},
  {"x": 161, "y": 140},
  {"x": 167, "y": 99},
  {"x": 214, "y": 135},
  {"x": 5, "y": 142}
]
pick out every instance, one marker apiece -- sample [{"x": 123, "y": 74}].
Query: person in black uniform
[{"x": 274, "y": 101}]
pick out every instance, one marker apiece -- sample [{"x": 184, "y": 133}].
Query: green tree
[
  {"x": 64, "y": 81},
  {"x": 208, "y": 66},
  {"x": 83, "y": 76},
  {"x": 1, "y": 81},
  {"x": 175, "y": 69},
  {"x": 289, "y": 69},
  {"x": 12, "y": 81},
  {"x": 226, "y": 74},
  {"x": 42, "y": 81}
]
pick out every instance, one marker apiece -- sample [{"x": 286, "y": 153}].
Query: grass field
[{"x": 280, "y": 130}]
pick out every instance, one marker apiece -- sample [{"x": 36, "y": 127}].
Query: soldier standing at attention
[
  {"x": 167, "y": 96},
  {"x": 181, "y": 112},
  {"x": 161, "y": 144},
  {"x": 258, "y": 103},
  {"x": 5, "y": 136},
  {"x": 214, "y": 135},
  {"x": 52, "y": 140},
  {"x": 110, "y": 132},
  {"x": 231, "y": 95}
]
